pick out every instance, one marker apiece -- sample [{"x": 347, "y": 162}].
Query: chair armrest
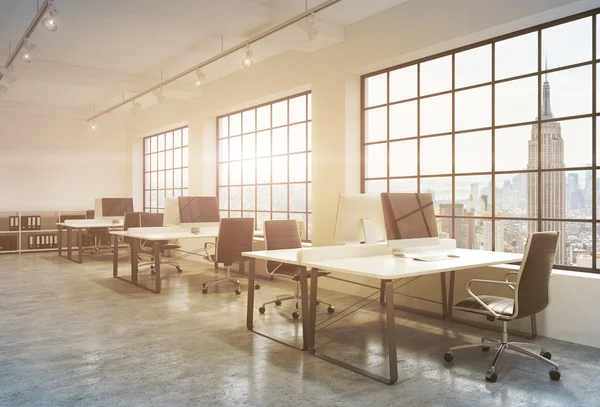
[
  {"x": 476, "y": 298},
  {"x": 511, "y": 284}
]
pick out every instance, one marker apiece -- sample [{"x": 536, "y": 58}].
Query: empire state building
[{"x": 553, "y": 182}]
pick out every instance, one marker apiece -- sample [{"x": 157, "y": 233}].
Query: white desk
[
  {"x": 152, "y": 234},
  {"x": 375, "y": 261},
  {"x": 79, "y": 225}
]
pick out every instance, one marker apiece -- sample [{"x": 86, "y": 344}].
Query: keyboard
[{"x": 430, "y": 257}]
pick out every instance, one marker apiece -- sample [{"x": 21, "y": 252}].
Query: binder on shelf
[{"x": 13, "y": 223}]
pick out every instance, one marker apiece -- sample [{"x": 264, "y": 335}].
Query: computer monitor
[
  {"x": 112, "y": 208},
  {"x": 359, "y": 218},
  {"x": 199, "y": 209},
  {"x": 171, "y": 217},
  {"x": 409, "y": 220}
]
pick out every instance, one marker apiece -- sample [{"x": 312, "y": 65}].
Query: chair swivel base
[
  {"x": 171, "y": 263},
  {"x": 296, "y": 314},
  {"x": 503, "y": 345}
]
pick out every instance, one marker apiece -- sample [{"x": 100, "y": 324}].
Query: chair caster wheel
[
  {"x": 554, "y": 374},
  {"x": 152, "y": 267},
  {"x": 179, "y": 269},
  {"x": 238, "y": 291},
  {"x": 237, "y": 282},
  {"x": 203, "y": 285},
  {"x": 448, "y": 357},
  {"x": 257, "y": 286},
  {"x": 546, "y": 354},
  {"x": 262, "y": 310},
  {"x": 295, "y": 315},
  {"x": 152, "y": 271},
  {"x": 331, "y": 309},
  {"x": 485, "y": 348},
  {"x": 491, "y": 376},
  {"x": 151, "y": 258},
  {"x": 277, "y": 302},
  {"x": 318, "y": 302},
  {"x": 205, "y": 290}
]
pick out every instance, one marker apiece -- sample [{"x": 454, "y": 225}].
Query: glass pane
[
  {"x": 153, "y": 142},
  {"x": 309, "y": 112},
  {"x": 403, "y": 120},
  {"x": 260, "y": 219},
  {"x": 248, "y": 121},
  {"x": 249, "y": 196},
  {"x": 568, "y": 43},
  {"x": 598, "y": 86},
  {"x": 263, "y": 143},
  {"x": 147, "y": 162},
  {"x": 473, "y": 152},
  {"x": 403, "y": 185},
  {"x": 169, "y": 179},
  {"x": 376, "y": 160},
  {"x": 263, "y": 197},
  {"x": 516, "y": 56},
  {"x": 297, "y": 167},
  {"x": 147, "y": 180},
  {"x": 474, "y": 234},
  {"x": 513, "y": 193},
  {"x": 376, "y": 124},
  {"x": 185, "y": 156},
  {"x": 263, "y": 171},
  {"x": 169, "y": 140},
  {"x": 279, "y": 216},
  {"x": 263, "y": 117},
  {"x": 153, "y": 199},
  {"x": 153, "y": 163},
  {"x": 154, "y": 180},
  {"x": 297, "y": 138},
  {"x": 224, "y": 174},
  {"x": 473, "y": 195},
  {"x": 224, "y": 127},
  {"x": 298, "y": 109},
  {"x": 280, "y": 138},
  {"x": 515, "y": 149},
  {"x": 147, "y": 199},
  {"x": 298, "y": 197},
  {"x": 280, "y": 198},
  {"x": 235, "y": 173},
  {"x": 376, "y": 90},
  {"x": 235, "y": 148},
  {"x": 516, "y": 101},
  {"x": 473, "y": 108},
  {"x": 573, "y": 238},
  {"x": 309, "y": 165},
  {"x": 177, "y": 158},
  {"x": 184, "y": 135},
  {"x": 302, "y": 218},
  {"x": 567, "y": 144},
  {"x": 436, "y": 75},
  {"x": 403, "y": 158},
  {"x": 161, "y": 142},
  {"x": 280, "y": 169},
  {"x": 309, "y": 188},
  {"x": 473, "y": 66},
  {"x": 177, "y": 178},
  {"x": 169, "y": 159},
  {"x": 375, "y": 186},
  {"x": 280, "y": 113},
  {"x": 248, "y": 147},
  {"x": 177, "y": 193},
  {"x": 564, "y": 195},
  {"x": 235, "y": 198},
  {"x": 235, "y": 124},
  {"x": 248, "y": 174},
  {"x": 403, "y": 83},
  {"x": 511, "y": 235},
  {"x": 236, "y": 214},
  {"x": 147, "y": 145},
  {"x": 309, "y": 136},
  {"x": 161, "y": 180},
  {"x": 436, "y": 155},
  {"x": 223, "y": 150},
  {"x": 436, "y": 115},
  {"x": 177, "y": 138},
  {"x": 567, "y": 93},
  {"x": 440, "y": 188}
]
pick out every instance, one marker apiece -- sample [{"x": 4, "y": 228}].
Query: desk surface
[
  {"x": 288, "y": 256},
  {"x": 393, "y": 267},
  {"x": 164, "y": 235},
  {"x": 90, "y": 223}
]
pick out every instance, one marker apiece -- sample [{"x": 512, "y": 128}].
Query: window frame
[{"x": 594, "y": 116}]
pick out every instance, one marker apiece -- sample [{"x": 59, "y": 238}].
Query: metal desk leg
[
  {"x": 80, "y": 245},
  {"x": 382, "y": 294},
  {"x": 450, "y": 295},
  {"x": 115, "y": 255},
  {"x": 156, "y": 267},
  {"x": 533, "y": 326},
  {"x": 69, "y": 242},
  {"x": 444, "y": 299},
  {"x": 306, "y": 312},
  {"x": 59, "y": 239},
  {"x": 250, "y": 306},
  {"x": 134, "y": 244}
]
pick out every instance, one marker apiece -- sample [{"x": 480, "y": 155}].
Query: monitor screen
[
  {"x": 352, "y": 211},
  {"x": 198, "y": 209},
  {"x": 409, "y": 215},
  {"x": 116, "y": 206}
]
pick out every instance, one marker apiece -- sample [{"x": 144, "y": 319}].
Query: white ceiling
[{"x": 105, "y": 49}]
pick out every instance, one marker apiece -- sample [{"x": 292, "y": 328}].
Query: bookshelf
[{"x": 34, "y": 231}]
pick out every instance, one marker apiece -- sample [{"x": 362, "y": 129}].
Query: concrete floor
[{"x": 72, "y": 335}]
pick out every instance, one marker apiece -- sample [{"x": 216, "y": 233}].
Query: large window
[
  {"x": 264, "y": 161},
  {"x": 502, "y": 133},
  {"x": 165, "y": 167}
]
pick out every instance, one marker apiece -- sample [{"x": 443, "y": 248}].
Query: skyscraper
[{"x": 552, "y": 183}]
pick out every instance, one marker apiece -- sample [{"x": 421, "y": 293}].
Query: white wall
[
  {"x": 412, "y": 30},
  {"x": 49, "y": 162}
]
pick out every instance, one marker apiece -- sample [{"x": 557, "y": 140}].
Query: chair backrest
[
  {"x": 534, "y": 276},
  {"x": 235, "y": 236},
  {"x": 132, "y": 220},
  {"x": 151, "y": 219},
  {"x": 89, "y": 214},
  {"x": 281, "y": 234}
]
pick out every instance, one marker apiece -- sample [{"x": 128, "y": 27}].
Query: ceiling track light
[
  {"x": 159, "y": 96},
  {"x": 200, "y": 78},
  {"x": 7, "y": 73},
  {"x": 93, "y": 125},
  {"x": 49, "y": 22},
  {"x": 247, "y": 62},
  {"x": 137, "y": 106},
  {"x": 28, "y": 51},
  {"x": 3, "y": 89},
  {"x": 308, "y": 26}
]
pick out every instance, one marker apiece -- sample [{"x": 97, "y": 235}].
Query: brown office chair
[
  {"x": 156, "y": 220},
  {"x": 131, "y": 220},
  {"x": 531, "y": 295},
  {"x": 284, "y": 234},
  {"x": 235, "y": 237},
  {"x": 97, "y": 238}
]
